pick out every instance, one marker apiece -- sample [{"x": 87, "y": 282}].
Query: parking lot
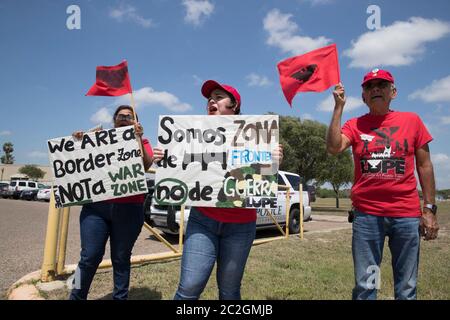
[{"x": 23, "y": 226}]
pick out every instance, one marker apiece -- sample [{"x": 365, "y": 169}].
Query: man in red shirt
[{"x": 385, "y": 145}]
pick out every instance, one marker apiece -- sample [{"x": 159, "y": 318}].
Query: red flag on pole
[
  {"x": 314, "y": 71},
  {"x": 111, "y": 81}
]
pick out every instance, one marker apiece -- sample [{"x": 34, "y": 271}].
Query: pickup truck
[{"x": 166, "y": 218}]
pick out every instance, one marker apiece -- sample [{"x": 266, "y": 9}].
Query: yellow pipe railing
[
  {"x": 56, "y": 239},
  {"x": 48, "y": 269}
]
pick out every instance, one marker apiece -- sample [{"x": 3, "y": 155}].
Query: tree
[
  {"x": 304, "y": 146},
  {"x": 338, "y": 171},
  {"x": 8, "y": 158},
  {"x": 32, "y": 171}
]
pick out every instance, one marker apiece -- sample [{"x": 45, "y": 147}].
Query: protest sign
[
  {"x": 217, "y": 161},
  {"x": 103, "y": 165}
]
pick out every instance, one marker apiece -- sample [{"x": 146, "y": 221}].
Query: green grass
[{"x": 318, "y": 267}]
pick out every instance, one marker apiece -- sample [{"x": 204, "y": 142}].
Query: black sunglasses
[{"x": 126, "y": 117}]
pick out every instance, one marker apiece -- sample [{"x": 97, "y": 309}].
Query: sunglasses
[
  {"x": 126, "y": 117},
  {"x": 381, "y": 85}
]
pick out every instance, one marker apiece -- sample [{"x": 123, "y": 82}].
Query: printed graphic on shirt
[{"x": 381, "y": 155}]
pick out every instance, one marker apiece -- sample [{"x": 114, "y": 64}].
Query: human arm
[
  {"x": 428, "y": 221},
  {"x": 278, "y": 154},
  {"x": 146, "y": 157},
  {"x": 336, "y": 141},
  {"x": 158, "y": 154}
]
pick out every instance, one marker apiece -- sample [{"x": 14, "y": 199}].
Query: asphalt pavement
[
  {"x": 22, "y": 229},
  {"x": 23, "y": 226}
]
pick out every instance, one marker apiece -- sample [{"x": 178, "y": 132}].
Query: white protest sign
[
  {"x": 218, "y": 161},
  {"x": 102, "y": 165}
]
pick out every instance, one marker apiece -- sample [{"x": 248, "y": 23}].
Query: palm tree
[{"x": 8, "y": 158}]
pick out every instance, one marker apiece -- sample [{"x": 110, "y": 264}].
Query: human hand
[
  {"x": 428, "y": 227},
  {"x": 339, "y": 95},
  {"x": 77, "y": 135},
  {"x": 277, "y": 154},
  {"x": 138, "y": 129},
  {"x": 158, "y": 154}
]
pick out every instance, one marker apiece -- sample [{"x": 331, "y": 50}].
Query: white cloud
[
  {"x": 102, "y": 116},
  {"x": 327, "y": 104},
  {"x": 197, "y": 80},
  {"x": 197, "y": 11},
  {"x": 129, "y": 13},
  {"x": 255, "y": 80},
  {"x": 306, "y": 116},
  {"x": 440, "y": 158},
  {"x": 441, "y": 165},
  {"x": 147, "y": 96},
  {"x": 445, "y": 120},
  {"x": 437, "y": 91},
  {"x": 38, "y": 154},
  {"x": 317, "y": 2},
  {"x": 282, "y": 34},
  {"x": 399, "y": 44},
  {"x": 5, "y": 133}
]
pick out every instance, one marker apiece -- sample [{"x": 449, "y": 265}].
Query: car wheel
[
  {"x": 171, "y": 223},
  {"x": 147, "y": 211},
  {"x": 294, "y": 221}
]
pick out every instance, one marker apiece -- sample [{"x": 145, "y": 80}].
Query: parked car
[
  {"x": 311, "y": 192},
  {"x": 17, "y": 186},
  {"x": 44, "y": 194},
  {"x": 31, "y": 194},
  {"x": 166, "y": 218},
  {"x": 4, "y": 189}
]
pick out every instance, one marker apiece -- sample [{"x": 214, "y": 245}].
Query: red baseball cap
[
  {"x": 378, "y": 74},
  {"x": 210, "y": 85}
]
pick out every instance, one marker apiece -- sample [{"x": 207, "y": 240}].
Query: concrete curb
[{"x": 22, "y": 289}]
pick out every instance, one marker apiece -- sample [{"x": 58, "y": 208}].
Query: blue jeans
[
  {"x": 208, "y": 241},
  {"x": 369, "y": 232},
  {"x": 122, "y": 223}
]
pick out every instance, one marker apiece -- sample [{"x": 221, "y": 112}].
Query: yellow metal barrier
[
  {"x": 56, "y": 239},
  {"x": 63, "y": 240},
  {"x": 301, "y": 212},
  {"x": 48, "y": 270}
]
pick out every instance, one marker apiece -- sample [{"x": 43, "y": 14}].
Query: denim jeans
[
  {"x": 369, "y": 232},
  {"x": 122, "y": 223},
  {"x": 208, "y": 241}
]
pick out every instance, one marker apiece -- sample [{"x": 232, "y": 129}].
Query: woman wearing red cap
[{"x": 213, "y": 234}]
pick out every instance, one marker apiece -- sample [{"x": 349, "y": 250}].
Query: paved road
[
  {"x": 22, "y": 229},
  {"x": 23, "y": 226}
]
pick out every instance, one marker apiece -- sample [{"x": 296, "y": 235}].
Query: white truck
[{"x": 166, "y": 218}]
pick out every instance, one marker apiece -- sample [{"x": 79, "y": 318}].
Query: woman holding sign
[
  {"x": 120, "y": 220},
  {"x": 222, "y": 235}
]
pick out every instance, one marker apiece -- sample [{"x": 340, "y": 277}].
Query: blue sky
[{"x": 172, "y": 46}]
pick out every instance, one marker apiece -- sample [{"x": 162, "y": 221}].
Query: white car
[
  {"x": 17, "y": 186},
  {"x": 166, "y": 218},
  {"x": 44, "y": 194}
]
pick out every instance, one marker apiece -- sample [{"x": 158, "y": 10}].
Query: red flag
[
  {"x": 314, "y": 71},
  {"x": 111, "y": 81}
]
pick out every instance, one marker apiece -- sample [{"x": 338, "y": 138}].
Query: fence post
[
  {"x": 63, "y": 241},
  {"x": 181, "y": 229},
  {"x": 301, "y": 211},
  {"x": 288, "y": 209},
  {"x": 48, "y": 269}
]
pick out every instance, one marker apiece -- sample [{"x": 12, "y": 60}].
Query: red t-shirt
[
  {"x": 383, "y": 152},
  {"x": 140, "y": 198},
  {"x": 229, "y": 215}
]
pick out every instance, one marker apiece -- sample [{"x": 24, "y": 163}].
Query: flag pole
[{"x": 134, "y": 116}]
